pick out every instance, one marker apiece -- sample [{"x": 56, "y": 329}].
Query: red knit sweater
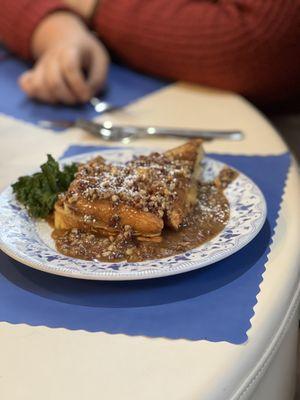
[{"x": 248, "y": 46}]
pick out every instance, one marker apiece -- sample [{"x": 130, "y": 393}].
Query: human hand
[{"x": 65, "y": 49}]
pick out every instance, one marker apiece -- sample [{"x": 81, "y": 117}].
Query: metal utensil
[
  {"x": 99, "y": 106},
  {"x": 108, "y": 131},
  {"x": 103, "y": 106}
]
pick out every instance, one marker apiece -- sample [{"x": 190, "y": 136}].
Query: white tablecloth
[{"x": 42, "y": 363}]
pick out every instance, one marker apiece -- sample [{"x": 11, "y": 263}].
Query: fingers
[
  {"x": 57, "y": 86},
  {"x": 97, "y": 70},
  {"x": 73, "y": 74},
  {"x": 47, "y": 82},
  {"x": 58, "y": 75},
  {"x": 33, "y": 83}
]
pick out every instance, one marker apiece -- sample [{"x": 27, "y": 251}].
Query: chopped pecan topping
[{"x": 149, "y": 183}]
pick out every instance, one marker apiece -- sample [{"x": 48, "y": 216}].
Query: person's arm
[
  {"x": 71, "y": 63},
  {"x": 248, "y": 46},
  {"x": 53, "y": 35},
  {"x": 19, "y": 19}
]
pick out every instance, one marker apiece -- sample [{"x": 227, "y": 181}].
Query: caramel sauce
[{"x": 208, "y": 219}]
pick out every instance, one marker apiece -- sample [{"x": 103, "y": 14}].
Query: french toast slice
[
  {"x": 147, "y": 193},
  {"x": 187, "y": 194}
]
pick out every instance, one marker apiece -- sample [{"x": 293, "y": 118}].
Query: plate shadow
[{"x": 131, "y": 294}]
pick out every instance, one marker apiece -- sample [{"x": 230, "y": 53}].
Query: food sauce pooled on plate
[{"x": 208, "y": 219}]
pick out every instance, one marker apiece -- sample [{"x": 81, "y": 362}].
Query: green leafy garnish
[{"x": 38, "y": 192}]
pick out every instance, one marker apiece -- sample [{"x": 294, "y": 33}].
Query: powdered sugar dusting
[{"x": 150, "y": 183}]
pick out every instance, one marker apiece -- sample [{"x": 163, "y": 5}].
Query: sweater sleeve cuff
[
  {"x": 29, "y": 20},
  {"x": 96, "y": 20}
]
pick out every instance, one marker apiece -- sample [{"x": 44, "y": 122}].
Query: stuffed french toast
[
  {"x": 146, "y": 194},
  {"x": 152, "y": 206}
]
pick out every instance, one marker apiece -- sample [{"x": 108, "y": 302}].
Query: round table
[{"x": 39, "y": 362}]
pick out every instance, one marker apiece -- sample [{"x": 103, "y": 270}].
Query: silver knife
[{"x": 109, "y": 131}]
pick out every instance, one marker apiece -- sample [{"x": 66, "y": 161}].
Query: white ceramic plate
[{"x": 29, "y": 241}]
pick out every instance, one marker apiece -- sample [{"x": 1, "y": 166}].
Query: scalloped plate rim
[{"x": 152, "y": 272}]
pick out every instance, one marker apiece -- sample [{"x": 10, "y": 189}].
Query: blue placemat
[
  {"x": 123, "y": 87},
  {"x": 214, "y": 303}
]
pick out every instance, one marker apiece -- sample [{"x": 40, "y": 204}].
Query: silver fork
[{"x": 110, "y": 132}]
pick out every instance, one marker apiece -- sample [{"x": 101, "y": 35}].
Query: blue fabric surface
[
  {"x": 123, "y": 86},
  {"x": 214, "y": 303}
]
